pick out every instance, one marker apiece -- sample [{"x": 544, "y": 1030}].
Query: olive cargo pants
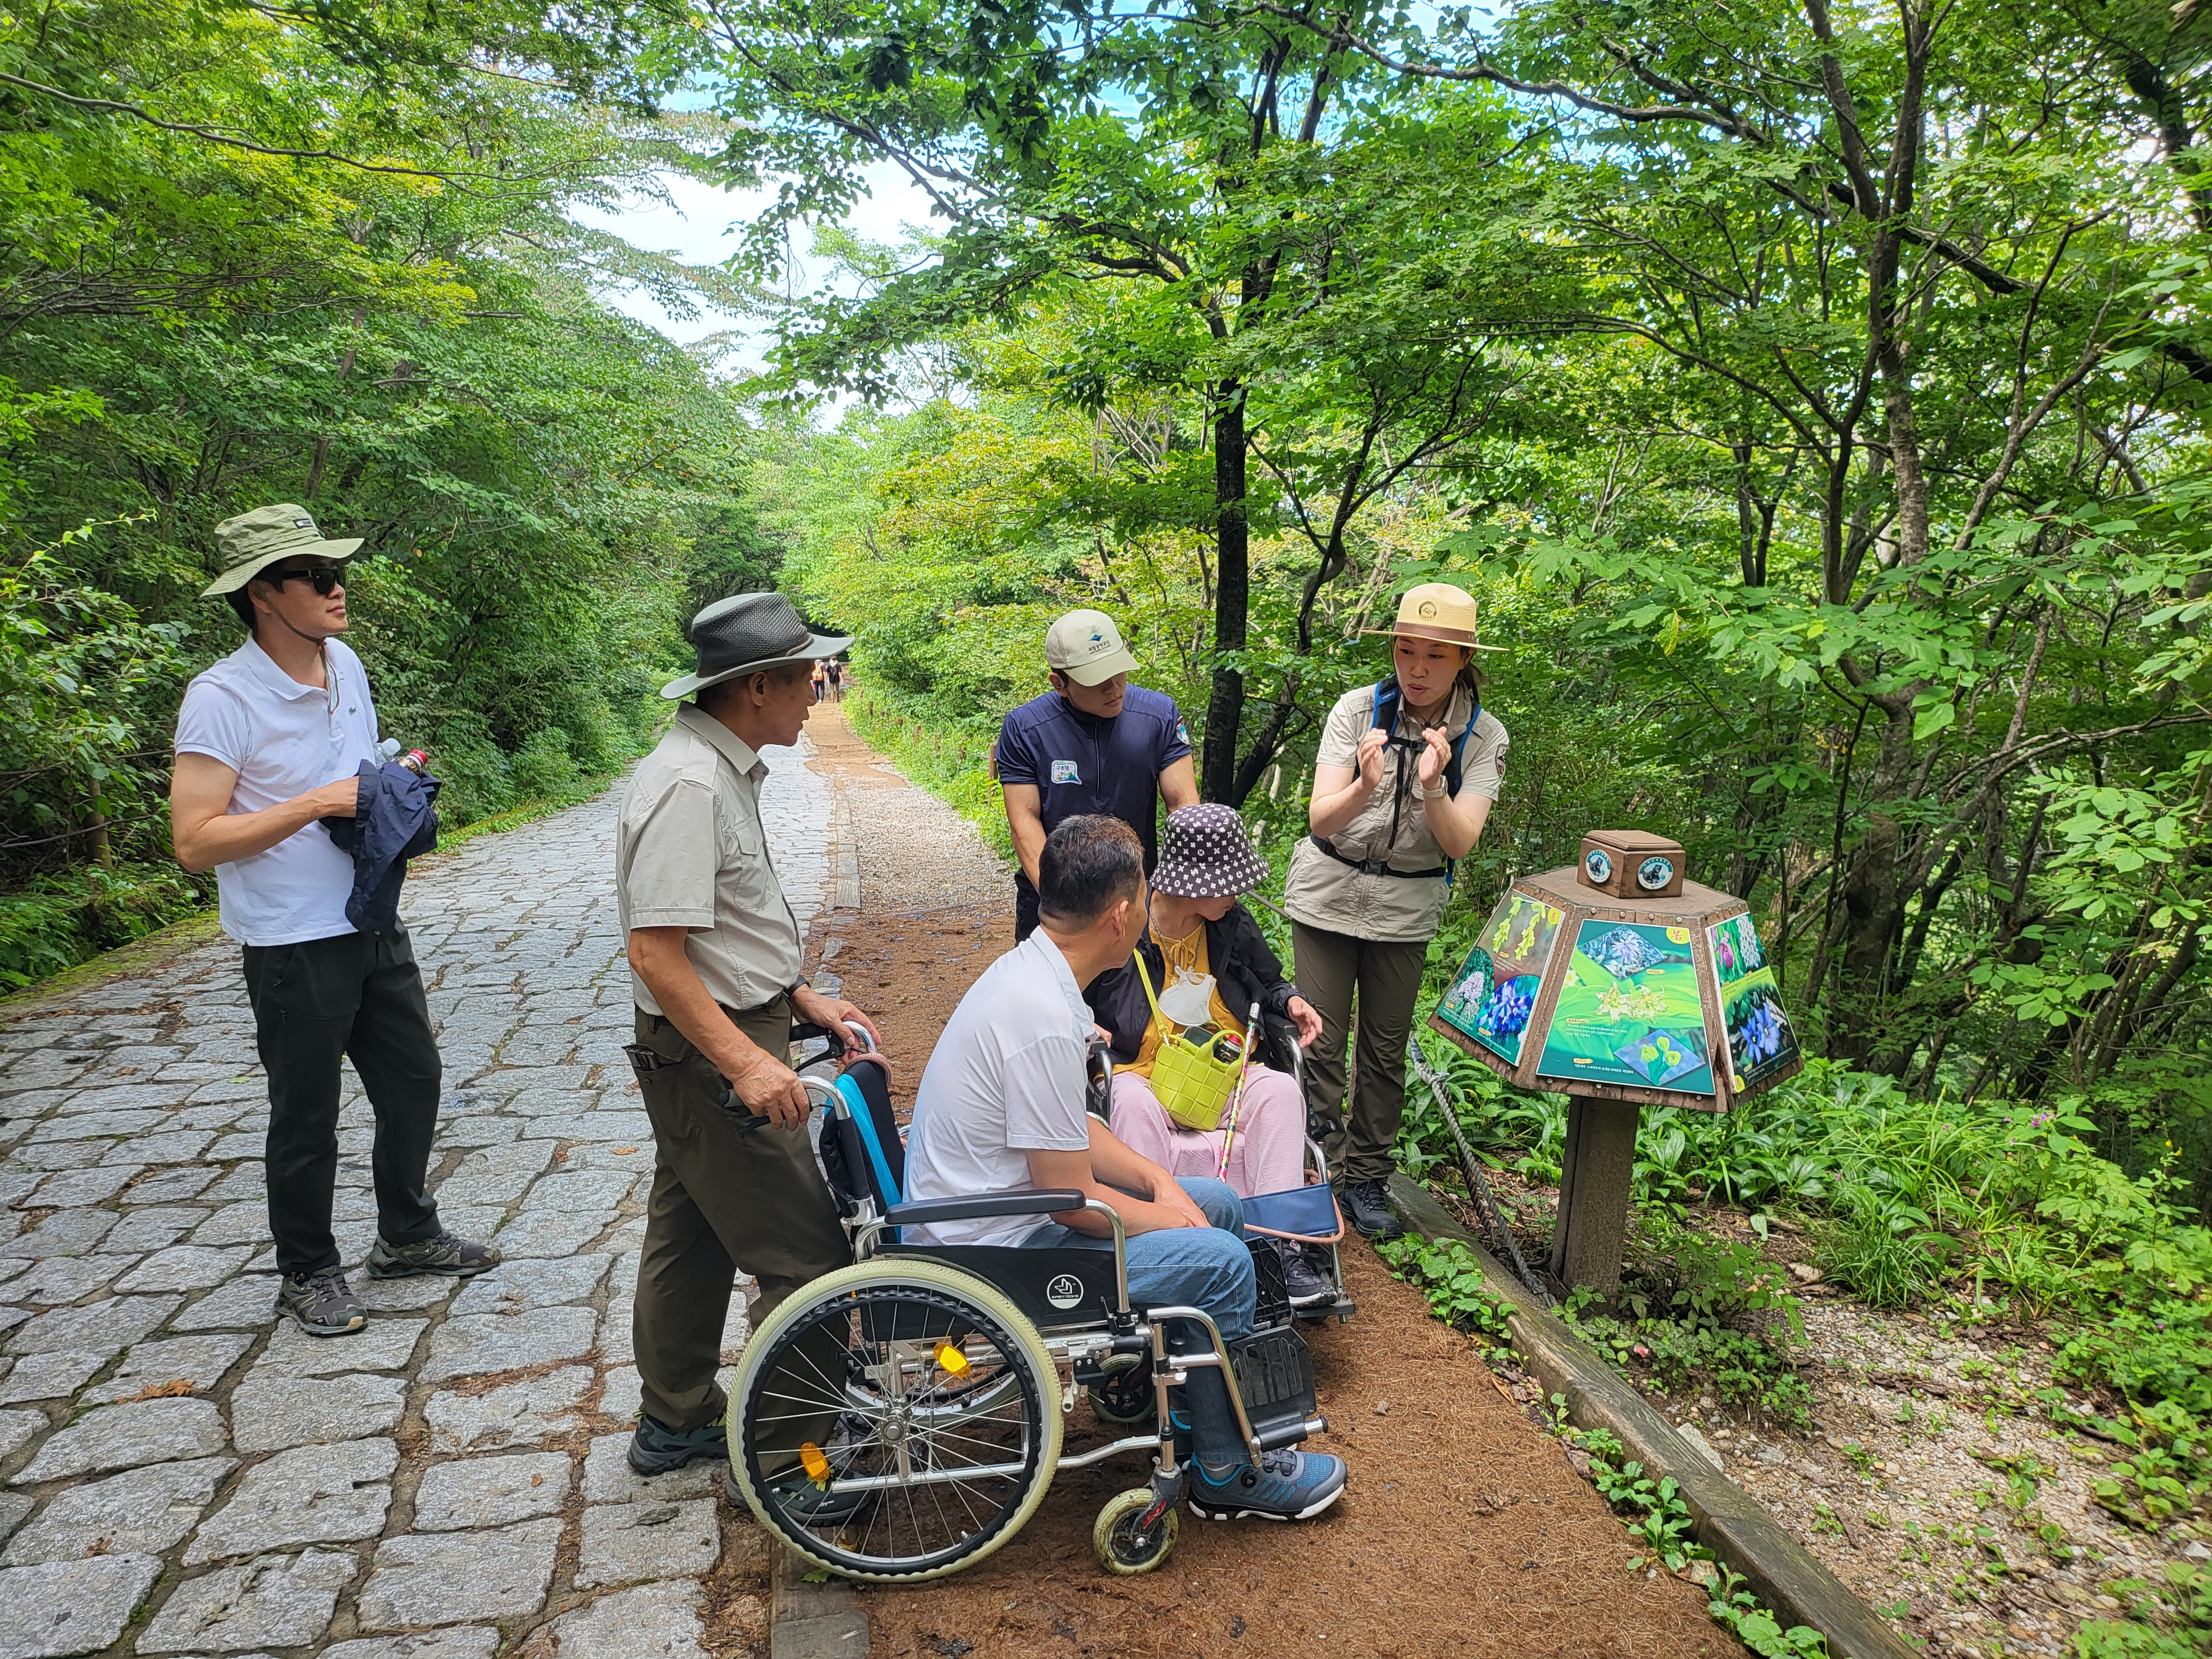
[
  {"x": 1330, "y": 967},
  {"x": 724, "y": 1198}
]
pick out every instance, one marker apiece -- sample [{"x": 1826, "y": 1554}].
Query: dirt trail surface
[{"x": 1465, "y": 1530}]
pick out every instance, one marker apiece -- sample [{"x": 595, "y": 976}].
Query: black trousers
[{"x": 356, "y": 996}]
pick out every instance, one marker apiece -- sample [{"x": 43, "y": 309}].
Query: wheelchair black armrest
[
  {"x": 990, "y": 1204},
  {"x": 1278, "y": 1040},
  {"x": 805, "y": 1031}
]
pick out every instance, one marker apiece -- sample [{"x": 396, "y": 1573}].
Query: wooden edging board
[
  {"x": 820, "y": 1620},
  {"x": 1730, "y": 1523}
]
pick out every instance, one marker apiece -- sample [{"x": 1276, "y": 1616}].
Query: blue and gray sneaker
[{"x": 1283, "y": 1486}]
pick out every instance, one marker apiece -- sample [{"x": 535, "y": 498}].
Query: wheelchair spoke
[{"x": 909, "y": 1427}]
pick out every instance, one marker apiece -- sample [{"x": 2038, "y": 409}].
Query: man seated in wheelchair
[
  {"x": 1202, "y": 965},
  {"x": 1000, "y": 1108}
]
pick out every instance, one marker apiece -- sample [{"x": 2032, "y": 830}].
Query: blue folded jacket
[{"x": 395, "y": 822}]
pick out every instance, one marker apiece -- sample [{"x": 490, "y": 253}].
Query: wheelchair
[{"x": 900, "y": 1419}]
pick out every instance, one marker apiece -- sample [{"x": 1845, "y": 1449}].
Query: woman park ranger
[{"x": 1403, "y": 781}]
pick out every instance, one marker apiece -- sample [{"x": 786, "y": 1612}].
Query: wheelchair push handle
[{"x": 818, "y": 1093}]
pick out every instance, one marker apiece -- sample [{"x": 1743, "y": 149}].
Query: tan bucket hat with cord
[
  {"x": 253, "y": 541},
  {"x": 746, "y": 632},
  {"x": 1438, "y": 611}
]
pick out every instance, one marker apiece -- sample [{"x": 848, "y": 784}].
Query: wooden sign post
[{"x": 1620, "y": 983}]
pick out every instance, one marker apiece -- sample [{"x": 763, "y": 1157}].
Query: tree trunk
[
  {"x": 1874, "y": 900},
  {"x": 1224, "y": 707}
]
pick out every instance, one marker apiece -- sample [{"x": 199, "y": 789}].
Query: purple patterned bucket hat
[{"x": 1205, "y": 854}]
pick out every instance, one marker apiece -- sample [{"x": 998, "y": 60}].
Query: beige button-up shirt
[
  {"x": 690, "y": 851},
  {"x": 1323, "y": 892}
]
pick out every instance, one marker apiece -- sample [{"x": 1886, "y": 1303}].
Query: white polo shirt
[
  {"x": 1006, "y": 1079},
  {"x": 282, "y": 738}
]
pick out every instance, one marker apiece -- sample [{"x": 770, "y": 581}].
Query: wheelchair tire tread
[{"x": 891, "y": 1272}]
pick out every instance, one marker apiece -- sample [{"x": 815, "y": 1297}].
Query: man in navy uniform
[{"x": 1092, "y": 743}]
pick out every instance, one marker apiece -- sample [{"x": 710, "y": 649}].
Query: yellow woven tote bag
[{"x": 1191, "y": 1083}]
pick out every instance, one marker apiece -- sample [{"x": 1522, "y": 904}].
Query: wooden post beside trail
[{"x": 1598, "y": 1168}]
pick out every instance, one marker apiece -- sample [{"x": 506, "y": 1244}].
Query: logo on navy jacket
[{"x": 1066, "y": 771}]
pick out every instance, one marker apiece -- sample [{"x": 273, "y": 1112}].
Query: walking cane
[{"x": 1236, "y": 1099}]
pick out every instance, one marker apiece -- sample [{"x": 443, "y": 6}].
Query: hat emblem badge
[{"x": 1426, "y": 610}]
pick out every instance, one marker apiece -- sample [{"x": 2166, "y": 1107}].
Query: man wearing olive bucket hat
[
  {"x": 715, "y": 956},
  {"x": 270, "y": 741},
  {"x": 1404, "y": 780}
]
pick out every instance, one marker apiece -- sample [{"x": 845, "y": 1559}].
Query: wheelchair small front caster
[{"x": 1125, "y": 1544}]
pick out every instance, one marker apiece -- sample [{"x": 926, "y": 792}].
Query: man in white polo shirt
[{"x": 269, "y": 741}]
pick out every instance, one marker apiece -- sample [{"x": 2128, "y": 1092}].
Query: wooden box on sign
[{"x": 1631, "y": 864}]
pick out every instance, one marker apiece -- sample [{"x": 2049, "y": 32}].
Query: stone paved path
[{"x": 177, "y": 1475}]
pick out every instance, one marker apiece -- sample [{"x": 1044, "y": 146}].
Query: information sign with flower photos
[
  {"x": 1651, "y": 998},
  {"x": 1495, "y": 992},
  {"x": 1760, "y": 1039}
]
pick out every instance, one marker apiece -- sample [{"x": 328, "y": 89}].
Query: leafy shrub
[
  {"x": 69, "y": 916},
  {"x": 544, "y": 768}
]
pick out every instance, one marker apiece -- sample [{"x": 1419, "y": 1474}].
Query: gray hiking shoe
[
  {"x": 322, "y": 1304},
  {"x": 456, "y": 1258}
]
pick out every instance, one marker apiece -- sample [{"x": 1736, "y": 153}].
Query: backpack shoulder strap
[
  {"x": 1385, "y": 703},
  {"x": 1453, "y": 772}
]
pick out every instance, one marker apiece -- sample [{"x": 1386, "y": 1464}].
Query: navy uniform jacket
[{"x": 1079, "y": 764}]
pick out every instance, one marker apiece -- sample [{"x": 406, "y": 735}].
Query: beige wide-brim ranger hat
[
  {"x": 1438, "y": 611},
  {"x": 746, "y": 632},
  {"x": 253, "y": 541}
]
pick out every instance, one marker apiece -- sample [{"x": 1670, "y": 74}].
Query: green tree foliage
[
  {"x": 1813, "y": 401},
  {"x": 253, "y": 254}
]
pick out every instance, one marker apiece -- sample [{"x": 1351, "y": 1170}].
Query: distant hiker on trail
[
  {"x": 270, "y": 740},
  {"x": 1092, "y": 743},
  {"x": 1196, "y": 927},
  {"x": 715, "y": 955},
  {"x": 1403, "y": 782}
]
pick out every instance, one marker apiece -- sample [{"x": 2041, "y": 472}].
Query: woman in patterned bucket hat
[{"x": 1197, "y": 928}]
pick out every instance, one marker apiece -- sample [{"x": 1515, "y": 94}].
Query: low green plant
[
  {"x": 1885, "y": 1255},
  {"x": 1449, "y": 1276},
  {"x": 1756, "y": 1628},
  {"x": 2171, "y": 1621},
  {"x": 1744, "y": 1369}
]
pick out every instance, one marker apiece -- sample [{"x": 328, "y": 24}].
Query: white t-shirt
[
  {"x": 282, "y": 738},
  {"x": 1006, "y": 1079}
]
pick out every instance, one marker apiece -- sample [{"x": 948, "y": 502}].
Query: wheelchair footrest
[{"x": 1274, "y": 1374}]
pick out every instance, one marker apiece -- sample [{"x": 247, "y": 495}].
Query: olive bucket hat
[
  {"x": 746, "y": 632},
  {"x": 253, "y": 541}
]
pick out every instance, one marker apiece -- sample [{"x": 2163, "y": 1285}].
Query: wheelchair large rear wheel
[{"x": 932, "y": 1449}]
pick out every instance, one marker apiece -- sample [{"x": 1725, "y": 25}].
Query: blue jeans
[{"x": 1206, "y": 1267}]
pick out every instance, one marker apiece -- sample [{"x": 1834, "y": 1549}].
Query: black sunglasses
[{"x": 325, "y": 577}]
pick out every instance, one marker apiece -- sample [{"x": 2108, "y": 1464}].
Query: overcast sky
[{"x": 701, "y": 226}]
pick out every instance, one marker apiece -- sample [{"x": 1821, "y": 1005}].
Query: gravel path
[
  {"x": 179, "y": 1476},
  {"x": 916, "y": 852}
]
